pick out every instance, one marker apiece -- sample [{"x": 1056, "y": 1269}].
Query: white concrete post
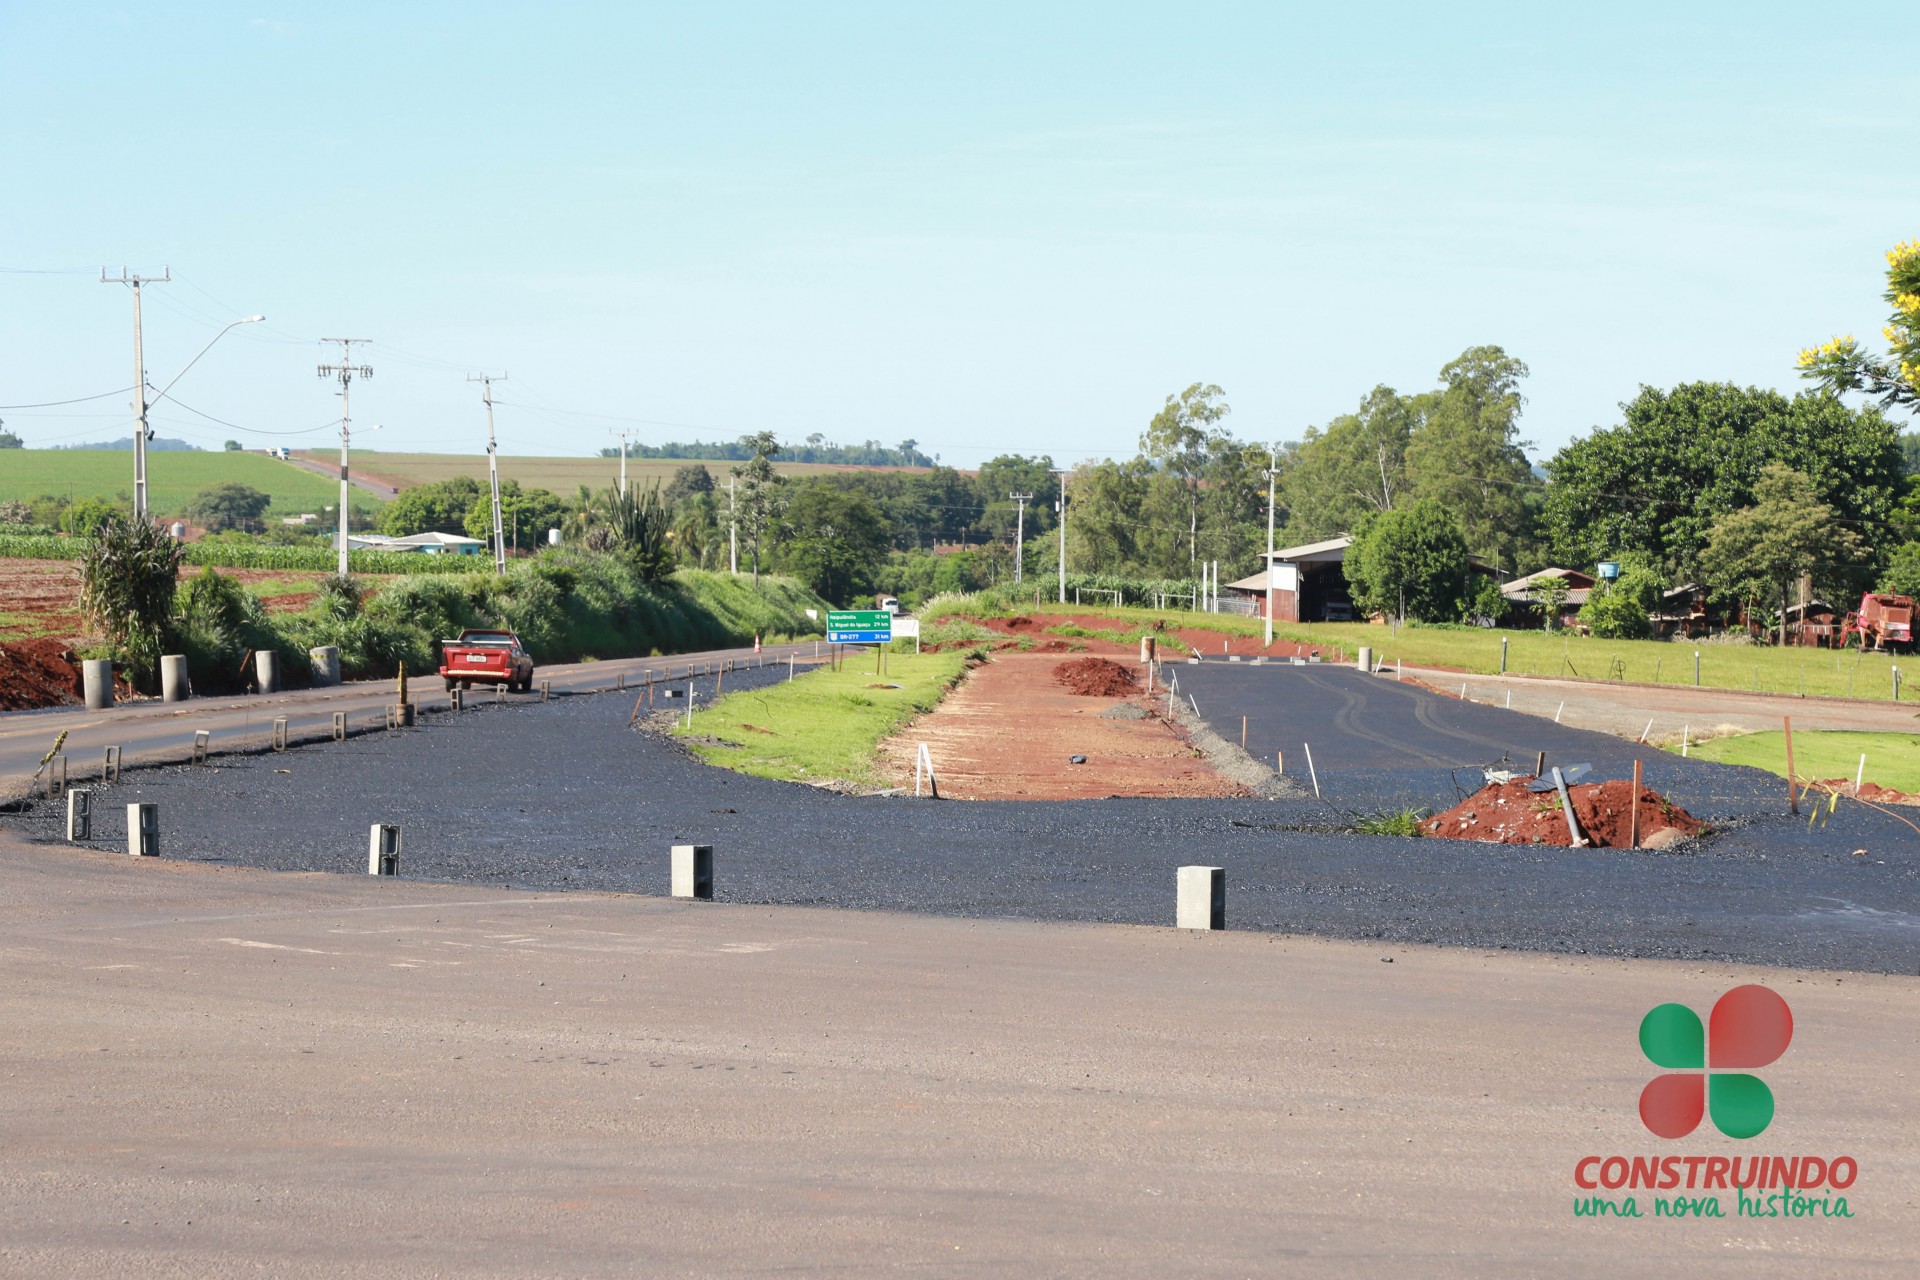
[
  {"x": 96, "y": 676},
  {"x": 143, "y": 830},
  {"x": 173, "y": 677},
  {"x": 1202, "y": 899},
  {"x": 1365, "y": 661},
  {"x": 693, "y": 871},
  {"x": 80, "y": 815},
  {"x": 383, "y": 850},
  {"x": 266, "y": 670}
]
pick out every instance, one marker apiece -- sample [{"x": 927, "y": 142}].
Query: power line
[{"x": 49, "y": 404}]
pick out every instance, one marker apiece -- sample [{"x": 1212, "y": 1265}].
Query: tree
[
  {"x": 1903, "y": 571},
  {"x": 1841, "y": 364},
  {"x": 1788, "y": 532},
  {"x": 1550, "y": 593},
  {"x": 1008, "y": 474},
  {"x": 1466, "y": 453},
  {"x": 230, "y": 506},
  {"x": 231, "y": 446},
  {"x": 1176, "y": 440},
  {"x": 85, "y": 517},
  {"x": 1682, "y": 459},
  {"x": 1623, "y": 609},
  {"x": 687, "y": 481},
  {"x": 636, "y": 526},
  {"x": 8, "y": 440},
  {"x": 834, "y": 540},
  {"x": 761, "y": 497},
  {"x": 1336, "y": 478},
  {"x": 525, "y": 515},
  {"x": 127, "y": 580},
  {"x": 1410, "y": 561},
  {"x": 440, "y": 507}
]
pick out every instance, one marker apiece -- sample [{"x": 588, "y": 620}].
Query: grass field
[
  {"x": 173, "y": 478},
  {"x": 561, "y": 475},
  {"x": 1766, "y": 669},
  {"x": 1893, "y": 759},
  {"x": 825, "y": 724}
]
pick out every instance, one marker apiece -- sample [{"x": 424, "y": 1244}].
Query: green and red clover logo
[{"x": 1749, "y": 1027}]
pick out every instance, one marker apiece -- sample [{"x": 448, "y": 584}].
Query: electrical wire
[{"x": 48, "y": 404}]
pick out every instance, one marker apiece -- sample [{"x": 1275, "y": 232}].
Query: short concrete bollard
[
  {"x": 173, "y": 678},
  {"x": 57, "y": 777},
  {"x": 339, "y": 726},
  {"x": 546, "y": 691},
  {"x": 457, "y": 698},
  {"x": 202, "y": 746},
  {"x": 383, "y": 850},
  {"x": 96, "y": 677},
  {"x": 693, "y": 871},
  {"x": 1202, "y": 902},
  {"x": 279, "y": 742},
  {"x": 266, "y": 670},
  {"x": 79, "y": 815},
  {"x": 110, "y": 766},
  {"x": 1365, "y": 661},
  {"x": 143, "y": 830},
  {"x": 324, "y": 661}
]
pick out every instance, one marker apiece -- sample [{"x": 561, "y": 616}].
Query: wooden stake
[
  {"x": 1243, "y": 733},
  {"x": 1540, "y": 767},
  {"x": 1793, "y": 794},
  {"x": 1633, "y": 818}
]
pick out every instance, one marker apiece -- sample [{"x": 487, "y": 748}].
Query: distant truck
[
  {"x": 1883, "y": 621},
  {"x": 889, "y": 603},
  {"x": 486, "y": 657}
]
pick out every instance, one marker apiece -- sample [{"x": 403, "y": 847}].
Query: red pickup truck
[{"x": 486, "y": 657}]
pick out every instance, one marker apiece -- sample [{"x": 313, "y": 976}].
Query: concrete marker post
[
  {"x": 266, "y": 670},
  {"x": 96, "y": 675},
  {"x": 339, "y": 726},
  {"x": 202, "y": 745},
  {"x": 79, "y": 815},
  {"x": 279, "y": 740},
  {"x": 692, "y": 870},
  {"x": 324, "y": 662},
  {"x": 1200, "y": 898},
  {"x": 1365, "y": 661},
  {"x": 546, "y": 690},
  {"x": 57, "y": 776},
  {"x": 456, "y": 699},
  {"x": 173, "y": 678},
  {"x": 143, "y": 830},
  {"x": 383, "y": 850},
  {"x": 110, "y": 766}
]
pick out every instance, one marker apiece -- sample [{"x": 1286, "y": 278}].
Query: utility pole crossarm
[{"x": 141, "y": 431}]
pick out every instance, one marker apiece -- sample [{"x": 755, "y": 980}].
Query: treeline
[{"x": 816, "y": 448}]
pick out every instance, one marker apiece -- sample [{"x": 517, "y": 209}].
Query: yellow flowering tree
[{"x": 1842, "y": 364}]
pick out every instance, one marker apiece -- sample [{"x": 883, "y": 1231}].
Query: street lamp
[{"x": 143, "y": 432}]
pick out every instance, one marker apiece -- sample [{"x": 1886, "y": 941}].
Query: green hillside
[
  {"x": 561, "y": 475},
  {"x": 173, "y": 478}
]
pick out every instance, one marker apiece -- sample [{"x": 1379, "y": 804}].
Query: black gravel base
[{"x": 564, "y": 795}]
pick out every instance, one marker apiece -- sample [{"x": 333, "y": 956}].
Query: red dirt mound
[
  {"x": 37, "y": 673},
  {"x": 1096, "y": 678},
  {"x": 1508, "y": 813},
  {"x": 1868, "y": 791}
]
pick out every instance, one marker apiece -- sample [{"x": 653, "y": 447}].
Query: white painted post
[
  {"x": 1201, "y": 898},
  {"x": 97, "y": 683},
  {"x": 1685, "y": 735},
  {"x": 1644, "y": 732},
  {"x": 266, "y": 670},
  {"x": 1558, "y": 710},
  {"x": 1311, "y": 771},
  {"x": 383, "y": 850},
  {"x": 173, "y": 677},
  {"x": 143, "y": 830},
  {"x": 1860, "y": 774},
  {"x": 693, "y": 871},
  {"x": 1365, "y": 661}
]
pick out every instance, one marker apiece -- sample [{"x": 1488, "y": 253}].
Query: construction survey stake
[{"x": 859, "y": 626}]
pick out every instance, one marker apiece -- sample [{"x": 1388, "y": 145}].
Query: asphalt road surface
[
  {"x": 212, "y": 1072},
  {"x": 566, "y": 795}
]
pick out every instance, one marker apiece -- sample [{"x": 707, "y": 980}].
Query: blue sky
[{"x": 990, "y": 228}]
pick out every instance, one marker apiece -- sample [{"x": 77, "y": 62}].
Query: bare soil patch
[
  {"x": 1510, "y": 813},
  {"x": 1009, "y": 731},
  {"x": 1867, "y": 791},
  {"x": 1118, "y": 637},
  {"x": 38, "y": 673},
  {"x": 1096, "y": 678}
]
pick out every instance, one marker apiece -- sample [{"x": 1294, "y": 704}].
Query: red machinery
[{"x": 1881, "y": 622}]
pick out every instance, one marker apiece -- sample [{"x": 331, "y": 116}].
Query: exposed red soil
[
  {"x": 1508, "y": 813},
  {"x": 1008, "y": 732},
  {"x": 1096, "y": 678},
  {"x": 1113, "y": 635},
  {"x": 38, "y": 673},
  {"x": 1868, "y": 791}
]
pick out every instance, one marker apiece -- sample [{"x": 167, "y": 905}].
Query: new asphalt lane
[{"x": 566, "y": 795}]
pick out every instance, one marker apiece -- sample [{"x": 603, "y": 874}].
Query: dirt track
[{"x": 1010, "y": 730}]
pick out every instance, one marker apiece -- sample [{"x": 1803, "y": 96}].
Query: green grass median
[
  {"x": 1893, "y": 759},
  {"x": 823, "y": 725}
]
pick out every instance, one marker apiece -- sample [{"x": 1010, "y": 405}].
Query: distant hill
[{"x": 159, "y": 444}]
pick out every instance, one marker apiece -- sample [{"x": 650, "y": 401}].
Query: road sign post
[{"x": 859, "y": 626}]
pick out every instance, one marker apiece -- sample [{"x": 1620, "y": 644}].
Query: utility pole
[
  {"x": 1063, "y": 537},
  {"x": 1020, "y": 533},
  {"x": 486, "y": 382},
  {"x": 346, "y": 371},
  {"x": 141, "y": 432},
  {"x": 1273, "y": 466},
  {"x": 733, "y": 534},
  {"x": 623, "y": 459}
]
